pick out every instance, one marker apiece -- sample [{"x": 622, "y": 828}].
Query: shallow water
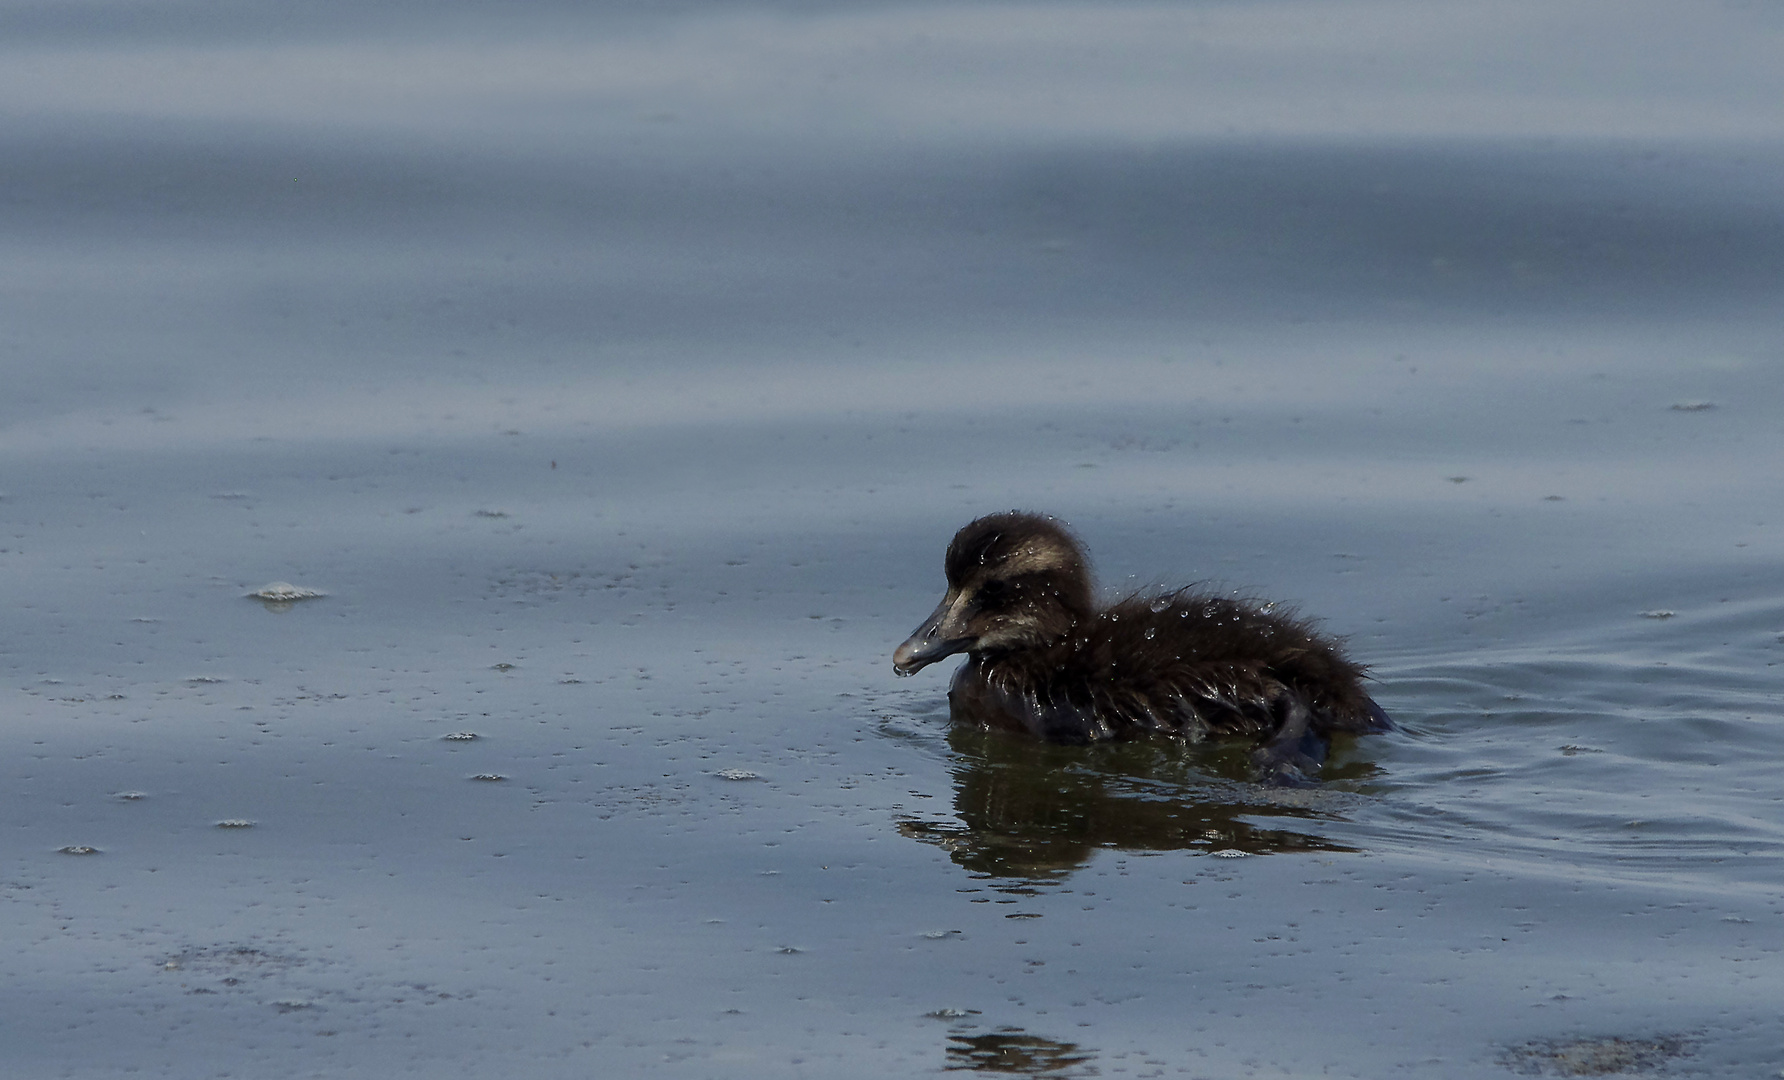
[{"x": 617, "y": 376}]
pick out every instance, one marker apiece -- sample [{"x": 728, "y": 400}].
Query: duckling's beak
[{"x": 939, "y": 636}]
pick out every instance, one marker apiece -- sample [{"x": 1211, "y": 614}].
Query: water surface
[{"x": 617, "y": 375}]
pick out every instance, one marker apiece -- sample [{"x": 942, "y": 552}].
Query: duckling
[{"x": 1044, "y": 658}]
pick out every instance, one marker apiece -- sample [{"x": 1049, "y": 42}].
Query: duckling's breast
[{"x": 984, "y": 695}]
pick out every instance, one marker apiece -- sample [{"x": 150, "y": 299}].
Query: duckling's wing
[
  {"x": 1229, "y": 665},
  {"x": 1185, "y": 697}
]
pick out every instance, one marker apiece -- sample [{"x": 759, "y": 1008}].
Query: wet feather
[{"x": 1044, "y": 658}]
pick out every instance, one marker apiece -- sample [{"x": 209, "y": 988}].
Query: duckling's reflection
[
  {"x": 1038, "y": 811},
  {"x": 1012, "y": 1050}
]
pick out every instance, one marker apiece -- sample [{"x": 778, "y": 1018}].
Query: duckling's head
[{"x": 1015, "y": 581}]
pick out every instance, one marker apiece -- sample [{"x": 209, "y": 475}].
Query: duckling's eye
[{"x": 992, "y": 594}]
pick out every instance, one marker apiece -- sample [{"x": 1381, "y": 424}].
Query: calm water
[{"x": 618, "y": 373}]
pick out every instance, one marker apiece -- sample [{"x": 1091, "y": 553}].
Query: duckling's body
[{"x": 1044, "y": 659}]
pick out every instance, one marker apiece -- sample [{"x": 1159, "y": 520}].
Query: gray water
[{"x": 618, "y": 373}]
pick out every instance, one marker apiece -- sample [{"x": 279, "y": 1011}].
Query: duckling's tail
[{"x": 1359, "y": 716}]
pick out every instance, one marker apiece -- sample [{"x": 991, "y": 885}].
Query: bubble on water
[
  {"x": 951, "y": 1014},
  {"x": 1658, "y": 613},
  {"x": 1159, "y": 604},
  {"x": 737, "y": 774},
  {"x": 503, "y": 666},
  {"x": 489, "y": 777},
  {"x": 284, "y": 592},
  {"x": 937, "y": 935},
  {"x": 1151, "y": 632},
  {"x": 286, "y": 1005},
  {"x": 1230, "y": 853},
  {"x": 1692, "y": 406},
  {"x": 206, "y": 680},
  {"x": 131, "y": 796},
  {"x": 78, "y": 849},
  {"x": 490, "y": 514},
  {"x": 460, "y": 736},
  {"x": 235, "y": 823},
  {"x": 1457, "y": 479},
  {"x": 789, "y": 950}
]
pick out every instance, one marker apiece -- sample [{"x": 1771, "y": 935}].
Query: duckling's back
[
  {"x": 1231, "y": 661},
  {"x": 1184, "y": 663}
]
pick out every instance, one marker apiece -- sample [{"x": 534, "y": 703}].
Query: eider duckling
[{"x": 1043, "y": 658}]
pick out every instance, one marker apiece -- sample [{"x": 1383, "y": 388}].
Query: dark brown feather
[{"x": 1043, "y": 659}]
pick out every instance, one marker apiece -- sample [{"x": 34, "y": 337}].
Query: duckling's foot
[
  {"x": 1293, "y": 755},
  {"x": 1286, "y": 772},
  {"x": 1293, "y": 765}
]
